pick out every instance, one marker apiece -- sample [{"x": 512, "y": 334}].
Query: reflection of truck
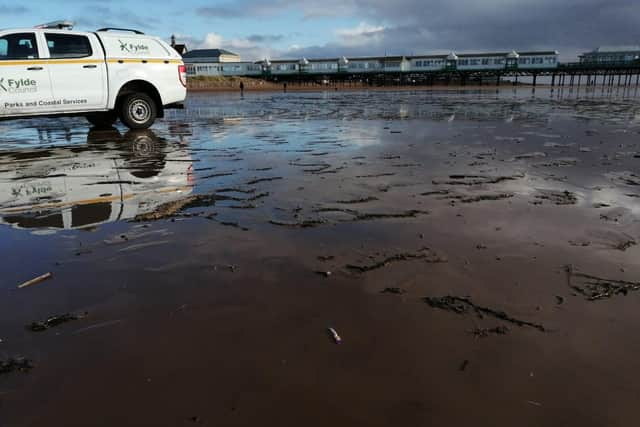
[
  {"x": 112, "y": 178},
  {"x": 109, "y": 74}
]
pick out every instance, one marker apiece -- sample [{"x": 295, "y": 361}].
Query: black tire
[
  {"x": 138, "y": 111},
  {"x": 103, "y": 120}
]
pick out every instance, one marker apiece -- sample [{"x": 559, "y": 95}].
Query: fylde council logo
[{"x": 18, "y": 85}]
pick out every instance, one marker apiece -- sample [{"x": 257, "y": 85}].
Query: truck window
[
  {"x": 68, "y": 46},
  {"x": 18, "y": 46}
]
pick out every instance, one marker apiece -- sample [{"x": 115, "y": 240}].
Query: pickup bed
[{"x": 104, "y": 75}]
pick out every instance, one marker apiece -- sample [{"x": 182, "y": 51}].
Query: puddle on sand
[{"x": 203, "y": 261}]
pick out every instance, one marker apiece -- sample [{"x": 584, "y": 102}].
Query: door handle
[
  {"x": 89, "y": 66},
  {"x": 35, "y": 68}
]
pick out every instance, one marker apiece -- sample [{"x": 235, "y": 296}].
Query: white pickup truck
[{"x": 52, "y": 70}]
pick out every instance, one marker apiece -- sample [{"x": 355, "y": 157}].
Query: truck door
[
  {"x": 24, "y": 76},
  {"x": 77, "y": 70}
]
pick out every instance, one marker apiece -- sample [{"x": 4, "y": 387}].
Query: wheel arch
[{"x": 140, "y": 86}]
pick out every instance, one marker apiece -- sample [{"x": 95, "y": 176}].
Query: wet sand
[{"x": 477, "y": 253}]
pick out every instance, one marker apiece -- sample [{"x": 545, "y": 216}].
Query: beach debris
[
  {"x": 463, "y": 365},
  {"x": 376, "y": 175},
  {"x": 55, "y": 321},
  {"x": 36, "y": 280},
  {"x": 325, "y": 258},
  {"x": 559, "y": 300},
  {"x": 15, "y": 364},
  {"x": 405, "y": 214},
  {"x": 476, "y": 179},
  {"x": 175, "y": 208},
  {"x": 624, "y": 178},
  {"x": 230, "y": 224},
  {"x": 558, "y": 163},
  {"x": 614, "y": 215},
  {"x": 166, "y": 210},
  {"x": 228, "y": 267},
  {"x": 257, "y": 197},
  {"x": 557, "y": 197},
  {"x": 242, "y": 206},
  {"x": 597, "y": 288},
  {"x": 236, "y": 190},
  {"x": 356, "y": 201},
  {"x": 436, "y": 193},
  {"x": 334, "y": 335},
  {"x": 534, "y": 403},
  {"x": 259, "y": 180},
  {"x": 324, "y": 273},
  {"x": 394, "y": 291},
  {"x": 468, "y": 198},
  {"x": 464, "y": 305},
  {"x": 533, "y": 155},
  {"x": 482, "y": 197},
  {"x": 424, "y": 253},
  {"x": 581, "y": 243},
  {"x": 624, "y": 245},
  {"x": 171, "y": 209},
  {"x": 485, "y": 332},
  {"x": 298, "y": 224},
  {"x": 363, "y": 216}
]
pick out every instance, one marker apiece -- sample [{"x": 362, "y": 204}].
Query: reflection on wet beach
[
  {"x": 472, "y": 249},
  {"x": 109, "y": 178}
]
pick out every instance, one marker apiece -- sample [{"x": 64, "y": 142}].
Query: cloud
[
  {"x": 406, "y": 26},
  {"x": 13, "y": 10},
  {"x": 220, "y": 12},
  {"x": 249, "y": 48},
  {"x": 311, "y": 9},
  {"x": 265, "y": 38},
  {"x": 103, "y": 16},
  {"x": 363, "y": 34}
]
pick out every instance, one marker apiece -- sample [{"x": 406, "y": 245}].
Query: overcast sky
[{"x": 319, "y": 28}]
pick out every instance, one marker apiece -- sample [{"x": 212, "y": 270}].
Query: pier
[{"x": 565, "y": 75}]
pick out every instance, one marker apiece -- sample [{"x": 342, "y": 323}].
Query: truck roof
[{"x": 119, "y": 44}]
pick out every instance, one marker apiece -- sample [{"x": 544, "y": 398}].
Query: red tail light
[{"x": 182, "y": 72}]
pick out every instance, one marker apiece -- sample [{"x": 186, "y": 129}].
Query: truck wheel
[
  {"x": 102, "y": 120},
  {"x": 138, "y": 111}
]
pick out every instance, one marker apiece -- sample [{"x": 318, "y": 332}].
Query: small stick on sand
[
  {"x": 335, "y": 335},
  {"x": 36, "y": 280}
]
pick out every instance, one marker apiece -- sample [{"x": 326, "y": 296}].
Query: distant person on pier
[
  {"x": 284, "y": 86},
  {"x": 241, "y": 88}
]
